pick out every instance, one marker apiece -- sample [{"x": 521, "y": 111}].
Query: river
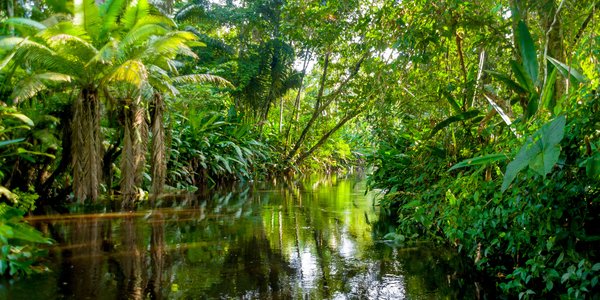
[{"x": 311, "y": 238}]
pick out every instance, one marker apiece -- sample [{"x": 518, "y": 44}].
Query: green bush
[
  {"x": 207, "y": 147},
  {"x": 538, "y": 237},
  {"x": 18, "y": 253}
]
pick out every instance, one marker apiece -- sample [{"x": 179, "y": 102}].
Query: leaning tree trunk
[
  {"x": 133, "y": 157},
  {"x": 86, "y": 147},
  {"x": 159, "y": 157}
]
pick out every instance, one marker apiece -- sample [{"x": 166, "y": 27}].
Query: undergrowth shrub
[{"x": 538, "y": 238}]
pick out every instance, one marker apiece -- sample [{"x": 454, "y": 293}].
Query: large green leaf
[
  {"x": 519, "y": 163},
  {"x": 456, "y": 118},
  {"x": 540, "y": 152},
  {"x": 452, "y": 102},
  {"x": 9, "y": 142},
  {"x": 22, "y": 117},
  {"x": 547, "y": 148},
  {"x": 533, "y": 104},
  {"x": 528, "y": 53},
  {"x": 548, "y": 100},
  {"x": 522, "y": 76},
  {"x": 592, "y": 166},
  {"x": 25, "y": 232},
  {"x": 567, "y": 71},
  {"x": 509, "y": 82},
  {"x": 480, "y": 160}
]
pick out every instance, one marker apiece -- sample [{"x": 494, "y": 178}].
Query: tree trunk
[
  {"x": 280, "y": 115},
  {"x": 86, "y": 147},
  {"x": 326, "y": 136},
  {"x": 296, "y": 111},
  {"x": 133, "y": 157},
  {"x": 320, "y": 106},
  {"x": 316, "y": 111},
  {"x": 159, "y": 157},
  {"x": 10, "y": 7}
]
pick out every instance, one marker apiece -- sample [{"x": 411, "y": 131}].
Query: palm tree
[
  {"x": 122, "y": 52},
  {"x": 89, "y": 52},
  {"x": 149, "y": 72}
]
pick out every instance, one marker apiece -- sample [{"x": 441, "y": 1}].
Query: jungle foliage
[
  {"x": 479, "y": 117},
  {"x": 503, "y": 166}
]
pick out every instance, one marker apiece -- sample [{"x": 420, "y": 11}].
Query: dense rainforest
[{"x": 478, "y": 121}]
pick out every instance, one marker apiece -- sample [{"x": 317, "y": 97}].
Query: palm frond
[
  {"x": 171, "y": 44},
  {"x": 132, "y": 72},
  {"x": 160, "y": 80},
  {"x": 44, "y": 58},
  {"x": 191, "y": 12},
  {"x": 110, "y": 11},
  {"x": 87, "y": 15},
  {"x": 187, "y": 51},
  {"x": 29, "y": 87},
  {"x": 72, "y": 44},
  {"x": 7, "y": 59},
  {"x": 211, "y": 42},
  {"x": 156, "y": 19},
  {"x": 34, "y": 53},
  {"x": 174, "y": 43},
  {"x": 13, "y": 42},
  {"x": 203, "y": 78},
  {"x": 66, "y": 27},
  {"x": 141, "y": 34},
  {"x": 105, "y": 54},
  {"x": 25, "y": 25},
  {"x": 136, "y": 11},
  {"x": 173, "y": 65}
]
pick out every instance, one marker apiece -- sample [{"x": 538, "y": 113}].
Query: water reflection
[{"x": 308, "y": 239}]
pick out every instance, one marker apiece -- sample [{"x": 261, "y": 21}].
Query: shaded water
[{"x": 310, "y": 239}]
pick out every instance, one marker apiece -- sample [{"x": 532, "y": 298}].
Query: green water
[{"x": 305, "y": 239}]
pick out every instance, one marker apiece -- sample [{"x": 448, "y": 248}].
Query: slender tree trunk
[
  {"x": 280, "y": 115},
  {"x": 316, "y": 111},
  {"x": 296, "y": 111},
  {"x": 463, "y": 67},
  {"x": 159, "y": 157},
  {"x": 585, "y": 23},
  {"x": 321, "y": 105},
  {"x": 10, "y": 7},
  {"x": 326, "y": 136},
  {"x": 86, "y": 147}
]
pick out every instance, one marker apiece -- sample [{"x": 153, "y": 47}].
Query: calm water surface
[{"x": 306, "y": 239}]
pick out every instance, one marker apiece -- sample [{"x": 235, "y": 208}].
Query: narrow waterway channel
[{"x": 306, "y": 239}]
